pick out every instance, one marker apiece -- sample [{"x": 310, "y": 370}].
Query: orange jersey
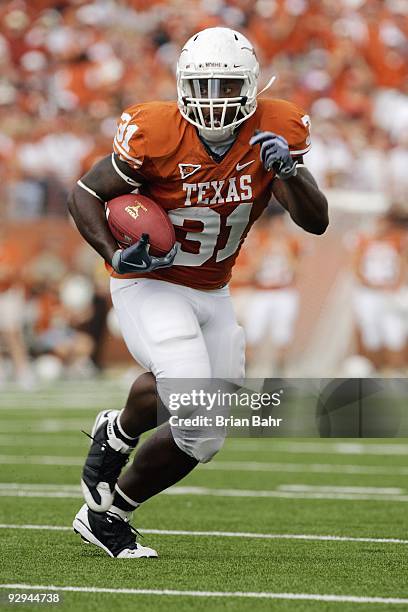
[
  {"x": 211, "y": 204},
  {"x": 379, "y": 260},
  {"x": 277, "y": 268}
]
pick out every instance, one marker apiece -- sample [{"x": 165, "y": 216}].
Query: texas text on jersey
[{"x": 212, "y": 203}]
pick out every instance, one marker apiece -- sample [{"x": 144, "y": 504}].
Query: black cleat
[
  {"x": 107, "y": 456},
  {"x": 111, "y": 533}
]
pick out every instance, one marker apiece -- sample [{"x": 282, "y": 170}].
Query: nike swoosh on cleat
[
  {"x": 242, "y": 166},
  {"x": 141, "y": 266}
]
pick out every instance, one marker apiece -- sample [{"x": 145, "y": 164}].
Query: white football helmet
[{"x": 217, "y": 76}]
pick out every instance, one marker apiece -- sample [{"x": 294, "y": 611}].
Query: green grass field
[{"x": 287, "y": 524}]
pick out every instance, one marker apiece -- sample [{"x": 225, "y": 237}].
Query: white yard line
[
  {"x": 41, "y": 494},
  {"x": 318, "y": 447},
  {"x": 315, "y": 446},
  {"x": 40, "y": 460},
  {"x": 43, "y": 441},
  {"x": 72, "y": 491},
  {"x": 226, "y": 594},
  {"x": 240, "y": 466},
  {"x": 228, "y": 534},
  {"x": 285, "y": 494},
  {"x": 58, "y": 403},
  {"x": 302, "y": 488},
  {"x": 41, "y": 426},
  {"x": 16, "y": 486},
  {"x": 97, "y": 399},
  {"x": 317, "y": 468}
]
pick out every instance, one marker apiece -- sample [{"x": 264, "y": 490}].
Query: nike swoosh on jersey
[{"x": 242, "y": 166}]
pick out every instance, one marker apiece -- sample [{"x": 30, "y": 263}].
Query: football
[{"x": 129, "y": 216}]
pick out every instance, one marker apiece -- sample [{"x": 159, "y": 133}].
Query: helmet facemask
[{"x": 216, "y": 103}]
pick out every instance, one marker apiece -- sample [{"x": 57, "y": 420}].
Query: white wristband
[{"x": 116, "y": 260}]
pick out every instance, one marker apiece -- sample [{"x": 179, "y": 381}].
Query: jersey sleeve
[
  {"x": 129, "y": 142},
  {"x": 288, "y": 120},
  {"x": 299, "y": 139}
]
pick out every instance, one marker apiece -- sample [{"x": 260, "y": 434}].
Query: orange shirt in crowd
[
  {"x": 48, "y": 307},
  {"x": 11, "y": 262},
  {"x": 389, "y": 67},
  {"x": 278, "y": 262},
  {"x": 380, "y": 261},
  {"x": 244, "y": 267}
]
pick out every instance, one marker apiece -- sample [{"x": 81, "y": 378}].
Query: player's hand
[
  {"x": 136, "y": 258},
  {"x": 275, "y": 154}
]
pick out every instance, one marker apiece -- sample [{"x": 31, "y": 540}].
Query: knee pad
[
  {"x": 206, "y": 448},
  {"x": 202, "y": 449},
  {"x": 184, "y": 383}
]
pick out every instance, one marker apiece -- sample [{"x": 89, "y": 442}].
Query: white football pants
[
  {"x": 272, "y": 314},
  {"x": 380, "y": 321},
  {"x": 177, "y": 332}
]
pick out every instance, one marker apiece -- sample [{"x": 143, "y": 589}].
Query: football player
[
  {"x": 272, "y": 309},
  {"x": 212, "y": 161},
  {"x": 380, "y": 268}
]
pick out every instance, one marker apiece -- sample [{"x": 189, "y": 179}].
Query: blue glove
[
  {"x": 136, "y": 258},
  {"x": 275, "y": 154}
]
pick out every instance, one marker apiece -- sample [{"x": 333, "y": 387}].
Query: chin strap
[{"x": 219, "y": 139}]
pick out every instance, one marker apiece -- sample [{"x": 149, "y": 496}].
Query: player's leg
[
  {"x": 142, "y": 409},
  {"x": 256, "y": 325},
  {"x": 108, "y": 453},
  {"x": 114, "y": 436},
  {"x": 172, "y": 452},
  {"x": 176, "y": 351},
  {"x": 111, "y": 443},
  {"x": 163, "y": 334},
  {"x": 283, "y": 317},
  {"x": 158, "y": 464},
  {"x": 367, "y": 305},
  {"x": 11, "y": 330},
  {"x": 395, "y": 336}
]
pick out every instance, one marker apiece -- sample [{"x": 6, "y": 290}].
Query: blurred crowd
[
  {"x": 57, "y": 321},
  {"x": 379, "y": 261},
  {"x": 54, "y": 308},
  {"x": 266, "y": 294},
  {"x": 69, "y": 67},
  {"x": 270, "y": 300}
]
